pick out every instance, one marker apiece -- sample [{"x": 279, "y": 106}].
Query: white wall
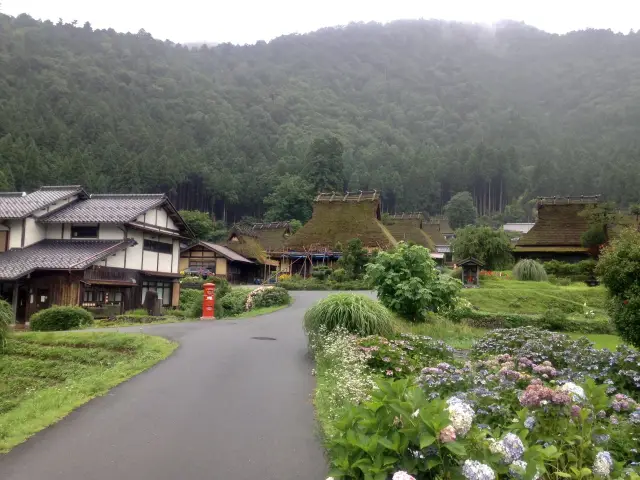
[
  {"x": 161, "y": 217},
  {"x": 34, "y": 232},
  {"x": 164, "y": 262},
  {"x": 171, "y": 225},
  {"x": 134, "y": 254},
  {"x": 15, "y": 235},
  {"x": 151, "y": 216},
  {"x": 116, "y": 260},
  {"x": 175, "y": 268},
  {"x": 110, "y": 232},
  {"x": 54, "y": 231},
  {"x": 55, "y": 206}
]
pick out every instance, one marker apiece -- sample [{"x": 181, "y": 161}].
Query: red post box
[{"x": 208, "y": 302}]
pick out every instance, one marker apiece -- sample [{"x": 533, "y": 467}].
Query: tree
[
  {"x": 354, "y": 259},
  {"x": 409, "y": 284},
  {"x": 290, "y": 200},
  {"x": 600, "y": 216},
  {"x": 325, "y": 164},
  {"x": 619, "y": 269},
  {"x": 634, "y": 209},
  {"x": 460, "y": 210},
  {"x": 199, "y": 222},
  {"x": 491, "y": 247},
  {"x": 295, "y": 225}
]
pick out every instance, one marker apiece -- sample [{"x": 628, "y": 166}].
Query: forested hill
[{"x": 423, "y": 108}]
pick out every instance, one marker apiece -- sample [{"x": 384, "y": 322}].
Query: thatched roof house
[
  {"x": 407, "y": 227},
  {"x": 338, "y": 218},
  {"x": 244, "y": 241},
  {"x": 272, "y": 236},
  {"x": 432, "y": 229},
  {"x": 558, "y": 231}
]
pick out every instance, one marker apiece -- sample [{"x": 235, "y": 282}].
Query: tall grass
[
  {"x": 355, "y": 313},
  {"x": 530, "y": 271},
  {"x": 6, "y": 318}
]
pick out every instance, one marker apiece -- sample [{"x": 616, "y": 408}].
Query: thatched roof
[
  {"x": 407, "y": 227},
  {"x": 245, "y": 242},
  {"x": 433, "y": 231},
  {"x": 559, "y": 224},
  {"x": 271, "y": 236},
  {"x": 338, "y": 218}
]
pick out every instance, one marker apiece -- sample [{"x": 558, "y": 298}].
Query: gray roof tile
[
  {"x": 106, "y": 209},
  {"x": 225, "y": 252},
  {"x": 57, "y": 255},
  {"x": 13, "y": 205}
]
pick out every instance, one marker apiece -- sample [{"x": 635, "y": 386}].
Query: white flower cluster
[
  {"x": 249, "y": 303},
  {"x": 603, "y": 464},
  {"x": 510, "y": 448},
  {"x": 402, "y": 476},
  {"x": 576, "y": 392},
  {"x": 518, "y": 468},
  {"x": 461, "y": 415},
  {"x": 346, "y": 371},
  {"x": 474, "y": 470}
]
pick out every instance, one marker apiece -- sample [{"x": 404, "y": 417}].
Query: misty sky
[{"x": 251, "y": 20}]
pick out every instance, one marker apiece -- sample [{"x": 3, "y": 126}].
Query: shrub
[
  {"x": 235, "y": 301},
  {"x": 222, "y": 286},
  {"x": 408, "y": 283},
  {"x": 339, "y": 275},
  {"x": 354, "y": 259},
  {"x": 619, "y": 268},
  {"x": 529, "y": 270},
  {"x": 355, "y": 313},
  {"x": 60, "y": 318},
  {"x": 189, "y": 297},
  {"x": 321, "y": 272},
  {"x": 270, "y": 297},
  {"x": 6, "y": 319},
  {"x": 491, "y": 247}
]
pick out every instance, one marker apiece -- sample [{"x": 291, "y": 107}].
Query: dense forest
[{"x": 422, "y": 109}]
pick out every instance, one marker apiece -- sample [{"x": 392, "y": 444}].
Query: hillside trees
[{"x": 419, "y": 110}]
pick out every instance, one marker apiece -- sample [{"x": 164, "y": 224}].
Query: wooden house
[
  {"x": 220, "y": 260},
  {"x": 557, "y": 233},
  {"x": 65, "y": 247},
  {"x": 442, "y": 245},
  {"x": 336, "y": 219}
]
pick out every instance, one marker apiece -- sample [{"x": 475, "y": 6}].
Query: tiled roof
[
  {"x": 557, "y": 225},
  {"x": 106, "y": 209},
  {"x": 57, "y": 255},
  {"x": 222, "y": 250},
  {"x": 15, "y": 205}
]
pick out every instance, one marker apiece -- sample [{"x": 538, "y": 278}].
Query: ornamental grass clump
[
  {"x": 354, "y": 313},
  {"x": 530, "y": 271}
]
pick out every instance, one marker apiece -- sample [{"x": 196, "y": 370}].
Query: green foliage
[
  {"x": 564, "y": 269},
  {"x": 60, "y": 318},
  {"x": 596, "y": 235},
  {"x": 460, "y": 210},
  {"x": 290, "y": 200},
  {"x": 138, "y": 312},
  {"x": 6, "y": 319},
  {"x": 299, "y": 283},
  {"x": 324, "y": 163},
  {"x": 199, "y": 222},
  {"x": 354, "y": 259},
  {"x": 271, "y": 297},
  {"x": 530, "y": 271},
  {"x": 354, "y": 313},
  {"x": 235, "y": 301},
  {"x": 339, "y": 275},
  {"x": 321, "y": 272},
  {"x": 408, "y": 283},
  {"x": 491, "y": 247},
  {"x": 619, "y": 268},
  {"x": 295, "y": 225}
]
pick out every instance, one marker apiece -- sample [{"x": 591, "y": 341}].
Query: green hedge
[
  {"x": 271, "y": 297},
  {"x": 554, "y": 321},
  {"x": 6, "y": 319},
  {"x": 315, "y": 284},
  {"x": 60, "y": 318},
  {"x": 234, "y": 302}
]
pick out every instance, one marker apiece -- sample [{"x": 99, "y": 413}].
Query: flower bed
[{"x": 526, "y": 404}]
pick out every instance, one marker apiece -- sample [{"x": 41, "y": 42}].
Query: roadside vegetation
[
  {"x": 439, "y": 398},
  {"x": 47, "y": 375}
]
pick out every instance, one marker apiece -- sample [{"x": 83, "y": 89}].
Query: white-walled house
[{"x": 61, "y": 246}]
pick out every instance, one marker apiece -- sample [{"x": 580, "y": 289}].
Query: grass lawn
[
  {"x": 120, "y": 323},
  {"x": 257, "y": 311},
  {"x": 458, "y": 335},
  {"x": 44, "y": 376},
  {"x": 501, "y": 295},
  {"x": 600, "y": 340}
]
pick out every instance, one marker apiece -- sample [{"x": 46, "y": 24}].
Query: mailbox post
[{"x": 208, "y": 301}]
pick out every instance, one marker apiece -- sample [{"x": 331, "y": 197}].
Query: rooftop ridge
[
  {"x": 400, "y": 216},
  {"x": 358, "y": 196},
  {"x": 269, "y": 225},
  {"x": 127, "y": 195},
  {"x": 568, "y": 200},
  {"x": 59, "y": 187},
  {"x": 13, "y": 194}
]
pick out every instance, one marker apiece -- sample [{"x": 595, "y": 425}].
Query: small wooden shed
[{"x": 470, "y": 272}]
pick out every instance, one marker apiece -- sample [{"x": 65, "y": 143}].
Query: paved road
[{"x": 224, "y": 406}]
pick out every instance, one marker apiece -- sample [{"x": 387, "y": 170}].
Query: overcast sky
[{"x": 251, "y": 20}]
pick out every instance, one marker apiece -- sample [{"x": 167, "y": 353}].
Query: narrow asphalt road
[{"x": 233, "y": 402}]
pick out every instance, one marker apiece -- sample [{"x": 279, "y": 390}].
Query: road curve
[{"x": 225, "y": 405}]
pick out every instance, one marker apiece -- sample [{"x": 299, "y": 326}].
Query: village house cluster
[{"x": 59, "y": 245}]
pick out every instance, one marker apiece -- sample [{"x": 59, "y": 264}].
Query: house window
[
  {"x": 163, "y": 289},
  {"x": 84, "y": 231},
  {"x": 159, "y": 247},
  {"x": 87, "y": 297},
  {"x": 208, "y": 264}
]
